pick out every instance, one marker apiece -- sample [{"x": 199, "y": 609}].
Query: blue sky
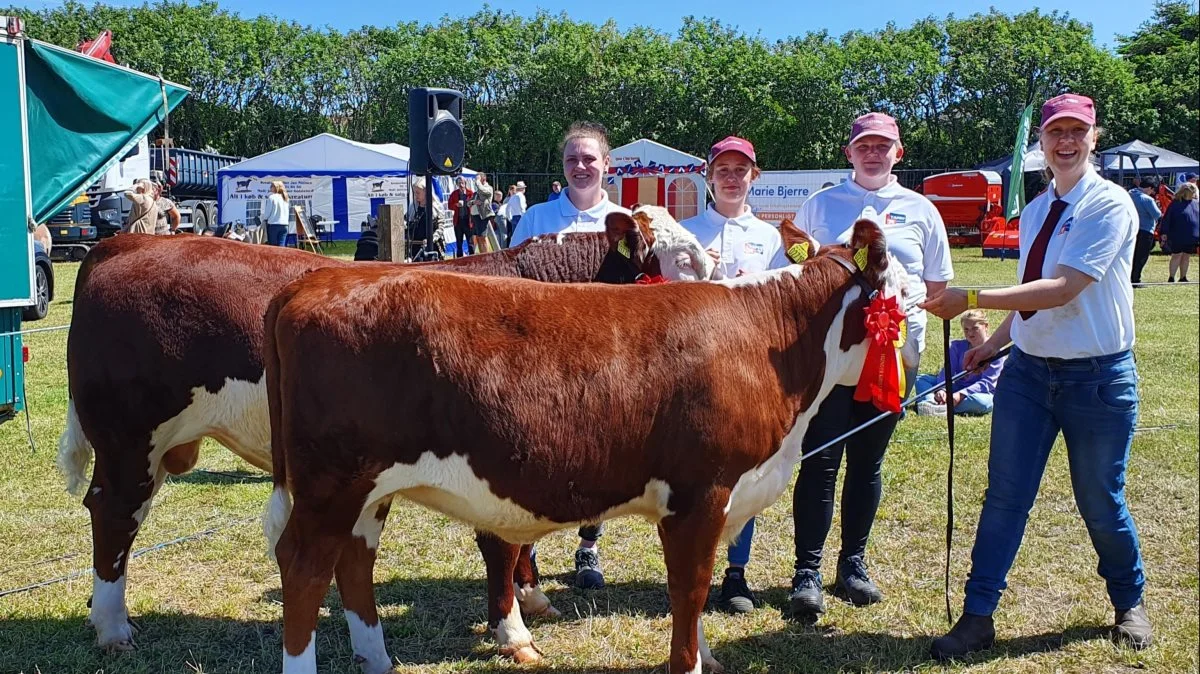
[{"x": 773, "y": 20}]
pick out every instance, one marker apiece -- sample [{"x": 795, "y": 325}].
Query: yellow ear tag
[
  {"x": 623, "y": 248},
  {"x": 860, "y": 259},
  {"x": 798, "y": 252}
]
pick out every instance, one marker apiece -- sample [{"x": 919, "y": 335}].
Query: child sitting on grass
[{"x": 973, "y": 392}]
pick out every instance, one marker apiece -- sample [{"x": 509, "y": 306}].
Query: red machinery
[
  {"x": 970, "y": 202},
  {"x": 98, "y": 47}
]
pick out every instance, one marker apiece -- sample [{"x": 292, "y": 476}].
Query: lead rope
[{"x": 949, "y": 470}]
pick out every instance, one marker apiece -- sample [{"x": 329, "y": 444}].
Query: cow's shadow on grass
[
  {"x": 221, "y": 477},
  {"x": 439, "y": 620}
]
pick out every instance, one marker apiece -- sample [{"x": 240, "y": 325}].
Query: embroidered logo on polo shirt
[
  {"x": 894, "y": 219},
  {"x": 1066, "y": 226},
  {"x": 752, "y": 248}
]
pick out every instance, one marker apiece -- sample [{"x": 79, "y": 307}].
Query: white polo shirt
[
  {"x": 516, "y": 205},
  {"x": 747, "y": 245},
  {"x": 561, "y": 216},
  {"x": 914, "y": 230},
  {"x": 1095, "y": 235}
]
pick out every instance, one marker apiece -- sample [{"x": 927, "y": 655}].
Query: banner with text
[{"x": 777, "y": 195}]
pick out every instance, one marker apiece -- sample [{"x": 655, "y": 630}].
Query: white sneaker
[{"x": 928, "y": 409}]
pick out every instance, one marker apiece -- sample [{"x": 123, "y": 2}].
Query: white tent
[
  {"x": 1139, "y": 156},
  {"x": 341, "y": 180},
  {"x": 646, "y": 172}
]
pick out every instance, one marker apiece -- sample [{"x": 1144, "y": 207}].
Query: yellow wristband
[{"x": 972, "y": 299}]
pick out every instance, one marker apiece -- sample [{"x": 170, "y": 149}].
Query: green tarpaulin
[{"x": 84, "y": 114}]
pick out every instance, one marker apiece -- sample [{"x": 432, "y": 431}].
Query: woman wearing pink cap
[{"x": 1071, "y": 370}]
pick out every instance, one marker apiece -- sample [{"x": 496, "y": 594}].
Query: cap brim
[
  {"x": 874, "y": 132},
  {"x": 1090, "y": 121},
  {"x": 714, "y": 157}
]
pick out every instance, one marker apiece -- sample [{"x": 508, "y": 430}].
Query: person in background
[
  {"x": 916, "y": 236},
  {"x": 583, "y": 207},
  {"x": 740, "y": 244},
  {"x": 275, "y": 213},
  {"x": 516, "y": 210},
  {"x": 1181, "y": 229},
  {"x": 481, "y": 213},
  {"x": 168, "y": 215},
  {"x": 555, "y": 190},
  {"x": 459, "y": 205},
  {"x": 143, "y": 213},
  {"x": 1148, "y": 215},
  {"x": 972, "y": 392},
  {"x": 500, "y": 213},
  {"x": 1071, "y": 370},
  {"x": 1193, "y": 178},
  {"x": 418, "y": 219}
]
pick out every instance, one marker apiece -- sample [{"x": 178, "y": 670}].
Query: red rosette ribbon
[
  {"x": 880, "y": 381},
  {"x": 645, "y": 280}
]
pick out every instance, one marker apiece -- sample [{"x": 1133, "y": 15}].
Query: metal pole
[{"x": 430, "y": 216}]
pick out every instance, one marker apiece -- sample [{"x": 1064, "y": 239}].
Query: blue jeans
[
  {"x": 277, "y": 234},
  {"x": 975, "y": 403},
  {"x": 1094, "y": 402}
]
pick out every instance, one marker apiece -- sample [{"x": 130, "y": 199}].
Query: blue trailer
[{"x": 67, "y": 118}]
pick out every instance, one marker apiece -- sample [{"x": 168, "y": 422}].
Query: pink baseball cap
[
  {"x": 732, "y": 144},
  {"x": 1069, "y": 105},
  {"x": 875, "y": 124}
]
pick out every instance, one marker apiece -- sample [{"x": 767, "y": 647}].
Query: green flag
[{"x": 1016, "y": 174}]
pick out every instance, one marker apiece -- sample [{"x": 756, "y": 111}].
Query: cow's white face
[{"x": 679, "y": 253}]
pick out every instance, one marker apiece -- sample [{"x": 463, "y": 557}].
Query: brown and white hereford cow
[
  {"x": 684, "y": 403},
  {"x": 165, "y": 349}
]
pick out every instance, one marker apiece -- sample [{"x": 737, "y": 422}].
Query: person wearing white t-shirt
[
  {"x": 1071, "y": 370},
  {"x": 582, "y": 208},
  {"x": 741, "y": 244},
  {"x": 917, "y": 238},
  {"x": 585, "y": 203},
  {"x": 514, "y": 208}
]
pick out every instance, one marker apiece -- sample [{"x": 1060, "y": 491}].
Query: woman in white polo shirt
[
  {"x": 585, "y": 163},
  {"x": 582, "y": 208},
  {"x": 916, "y": 236},
  {"x": 741, "y": 244},
  {"x": 1071, "y": 370}
]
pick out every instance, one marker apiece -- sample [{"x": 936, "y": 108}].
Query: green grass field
[{"x": 213, "y": 604}]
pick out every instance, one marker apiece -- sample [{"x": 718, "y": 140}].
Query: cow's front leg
[
  {"x": 504, "y": 613},
  {"x": 526, "y": 585},
  {"x": 689, "y": 542},
  {"x": 355, "y": 584}
]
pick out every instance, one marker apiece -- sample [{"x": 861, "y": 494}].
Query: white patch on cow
[
  {"x": 275, "y": 518},
  {"x": 511, "y": 633},
  {"x": 74, "y": 453},
  {"x": 95, "y": 491},
  {"x": 236, "y": 416},
  {"x": 706, "y": 657},
  {"x": 762, "y": 485},
  {"x": 368, "y": 527},
  {"x": 306, "y": 662},
  {"x": 117, "y": 564},
  {"x": 450, "y": 486},
  {"x": 367, "y": 641},
  {"x": 680, "y": 255},
  {"x": 533, "y": 601},
  {"x": 108, "y": 614}
]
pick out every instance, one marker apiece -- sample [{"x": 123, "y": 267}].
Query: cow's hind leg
[
  {"x": 307, "y": 552},
  {"x": 118, "y": 499},
  {"x": 526, "y": 584},
  {"x": 356, "y": 586},
  {"x": 504, "y": 614},
  {"x": 689, "y": 545}
]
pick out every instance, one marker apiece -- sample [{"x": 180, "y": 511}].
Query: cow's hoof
[
  {"x": 547, "y": 612},
  {"x": 527, "y": 653},
  {"x": 122, "y": 646},
  {"x": 712, "y": 665}
]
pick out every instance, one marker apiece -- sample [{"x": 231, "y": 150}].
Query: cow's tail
[
  {"x": 279, "y": 507},
  {"x": 74, "y": 452}
]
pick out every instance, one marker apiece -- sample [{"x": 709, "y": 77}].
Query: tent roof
[
  {"x": 1035, "y": 160},
  {"x": 329, "y": 153},
  {"x": 646, "y": 149},
  {"x": 1125, "y": 156}
]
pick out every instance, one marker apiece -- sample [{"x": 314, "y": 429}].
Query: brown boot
[
  {"x": 1133, "y": 627},
  {"x": 971, "y": 633}
]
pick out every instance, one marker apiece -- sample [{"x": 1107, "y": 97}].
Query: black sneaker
[
  {"x": 854, "y": 585},
  {"x": 1133, "y": 628},
  {"x": 971, "y": 633},
  {"x": 806, "y": 601},
  {"x": 736, "y": 596},
  {"x": 587, "y": 569}
]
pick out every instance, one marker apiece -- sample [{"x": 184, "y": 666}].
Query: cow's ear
[
  {"x": 643, "y": 220},
  {"x": 797, "y": 244},
  {"x": 870, "y": 251},
  {"x": 623, "y": 234}
]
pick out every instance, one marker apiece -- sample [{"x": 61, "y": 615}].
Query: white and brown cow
[
  {"x": 165, "y": 349},
  {"x": 683, "y": 403}
]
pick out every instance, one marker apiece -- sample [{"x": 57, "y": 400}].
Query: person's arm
[
  {"x": 938, "y": 267},
  {"x": 173, "y": 218}
]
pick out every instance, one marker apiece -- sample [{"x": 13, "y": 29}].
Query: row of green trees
[{"x": 956, "y": 85}]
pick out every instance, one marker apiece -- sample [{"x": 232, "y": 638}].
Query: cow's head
[{"x": 658, "y": 245}]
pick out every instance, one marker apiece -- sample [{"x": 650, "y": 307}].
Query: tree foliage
[{"x": 956, "y": 85}]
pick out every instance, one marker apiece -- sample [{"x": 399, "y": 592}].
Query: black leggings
[
  {"x": 462, "y": 240},
  {"x": 812, "y": 505},
  {"x": 1141, "y": 254}
]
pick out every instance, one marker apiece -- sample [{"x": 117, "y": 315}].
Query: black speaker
[{"x": 435, "y": 133}]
